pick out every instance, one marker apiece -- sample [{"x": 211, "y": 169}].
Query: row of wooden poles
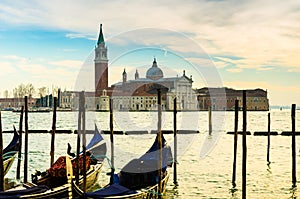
[
  {"x": 82, "y": 135},
  {"x": 244, "y": 145},
  {"x": 159, "y": 131},
  {"x": 111, "y": 127},
  {"x": 18, "y": 173},
  {"x": 81, "y": 132}
]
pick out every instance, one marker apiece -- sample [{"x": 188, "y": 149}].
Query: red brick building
[{"x": 224, "y": 99}]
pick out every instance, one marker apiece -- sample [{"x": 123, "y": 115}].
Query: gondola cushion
[{"x": 58, "y": 169}]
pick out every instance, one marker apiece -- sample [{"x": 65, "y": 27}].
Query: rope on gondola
[
  {"x": 7, "y": 155},
  {"x": 153, "y": 192},
  {"x": 105, "y": 157}
]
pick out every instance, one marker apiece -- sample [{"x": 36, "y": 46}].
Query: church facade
[{"x": 135, "y": 94}]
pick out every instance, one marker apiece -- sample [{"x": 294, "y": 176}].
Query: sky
[{"x": 234, "y": 43}]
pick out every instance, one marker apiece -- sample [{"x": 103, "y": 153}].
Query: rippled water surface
[{"x": 200, "y": 174}]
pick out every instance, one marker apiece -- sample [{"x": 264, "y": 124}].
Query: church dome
[{"x": 154, "y": 72}]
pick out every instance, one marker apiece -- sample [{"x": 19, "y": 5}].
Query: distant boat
[{"x": 7, "y": 109}]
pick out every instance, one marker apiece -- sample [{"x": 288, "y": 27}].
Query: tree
[
  {"x": 42, "y": 91},
  {"x": 15, "y": 93},
  {"x": 55, "y": 91},
  {"x": 6, "y": 93},
  {"x": 21, "y": 91},
  {"x": 30, "y": 90}
]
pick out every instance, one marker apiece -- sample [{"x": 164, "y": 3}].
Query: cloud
[
  {"x": 80, "y": 35},
  {"x": 68, "y": 63},
  {"x": 18, "y": 70},
  {"x": 263, "y": 34},
  {"x": 254, "y": 30},
  {"x": 7, "y": 69},
  {"x": 234, "y": 70}
]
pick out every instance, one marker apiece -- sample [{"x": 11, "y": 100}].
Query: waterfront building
[
  {"x": 13, "y": 103},
  {"x": 65, "y": 99},
  {"x": 224, "y": 99}
]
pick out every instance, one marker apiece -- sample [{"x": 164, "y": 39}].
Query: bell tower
[{"x": 101, "y": 64}]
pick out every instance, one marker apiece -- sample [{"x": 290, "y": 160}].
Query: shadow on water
[
  {"x": 233, "y": 193},
  {"x": 293, "y": 191},
  {"x": 172, "y": 192},
  {"x": 269, "y": 168}
]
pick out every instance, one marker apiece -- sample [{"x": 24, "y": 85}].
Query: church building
[{"x": 135, "y": 95}]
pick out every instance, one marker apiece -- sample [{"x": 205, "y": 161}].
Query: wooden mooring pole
[
  {"x": 209, "y": 121},
  {"x": 78, "y": 138},
  {"x": 269, "y": 140},
  {"x": 294, "y": 179},
  {"x": 244, "y": 168},
  {"x": 83, "y": 141},
  {"x": 159, "y": 134},
  {"x": 26, "y": 141},
  {"x": 20, "y": 144},
  {"x": 1, "y": 157},
  {"x": 111, "y": 128},
  {"x": 175, "y": 142},
  {"x": 236, "y": 119},
  {"x": 53, "y": 133}
]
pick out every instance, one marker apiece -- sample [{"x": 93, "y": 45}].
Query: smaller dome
[{"x": 154, "y": 72}]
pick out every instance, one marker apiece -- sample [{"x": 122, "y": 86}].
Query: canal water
[{"x": 204, "y": 161}]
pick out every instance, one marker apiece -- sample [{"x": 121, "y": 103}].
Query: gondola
[
  {"x": 45, "y": 185},
  {"x": 10, "y": 152},
  {"x": 137, "y": 179}
]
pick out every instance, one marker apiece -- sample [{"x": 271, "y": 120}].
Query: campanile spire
[
  {"x": 100, "y": 37},
  {"x": 101, "y": 64}
]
